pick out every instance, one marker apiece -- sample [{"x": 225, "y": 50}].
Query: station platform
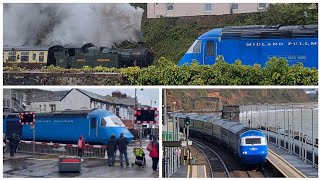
[
  {"x": 24, "y": 165},
  {"x": 295, "y": 161},
  {"x": 190, "y": 171}
]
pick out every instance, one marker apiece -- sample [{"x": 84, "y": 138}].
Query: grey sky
[{"x": 145, "y": 96}]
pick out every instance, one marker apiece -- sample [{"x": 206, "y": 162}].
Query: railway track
[
  {"x": 217, "y": 166},
  {"x": 232, "y": 162}
]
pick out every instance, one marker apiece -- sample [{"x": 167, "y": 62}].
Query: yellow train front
[{"x": 76, "y": 56}]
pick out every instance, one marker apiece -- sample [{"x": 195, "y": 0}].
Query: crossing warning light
[
  {"x": 187, "y": 121},
  {"x": 26, "y": 118}
]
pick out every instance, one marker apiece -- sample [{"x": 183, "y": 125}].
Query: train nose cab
[
  {"x": 103, "y": 124},
  {"x": 113, "y": 125},
  {"x": 253, "y": 149}
]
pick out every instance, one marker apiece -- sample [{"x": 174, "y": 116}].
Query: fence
[{"x": 90, "y": 151}]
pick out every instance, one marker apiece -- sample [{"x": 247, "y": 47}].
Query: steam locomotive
[{"x": 77, "y": 56}]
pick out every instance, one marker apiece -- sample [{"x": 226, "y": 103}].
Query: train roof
[
  {"x": 253, "y": 133},
  {"x": 26, "y": 48},
  {"x": 260, "y": 31},
  {"x": 99, "y": 112},
  {"x": 78, "y": 46}
]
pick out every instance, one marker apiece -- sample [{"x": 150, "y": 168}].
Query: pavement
[{"x": 46, "y": 166}]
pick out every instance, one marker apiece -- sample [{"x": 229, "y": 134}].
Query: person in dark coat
[
  {"x": 12, "y": 143},
  {"x": 111, "y": 149},
  {"x": 122, "y": 144},
  {"x": 4, "y": 143},
  {"x": 153, "y": 148},
  {"x": 17, "y": 143}
]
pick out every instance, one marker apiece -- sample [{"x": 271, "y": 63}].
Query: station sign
[{"x": 171, "y": 143}]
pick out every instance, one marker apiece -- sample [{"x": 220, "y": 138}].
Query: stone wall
[{"x": 61, "y": 78}]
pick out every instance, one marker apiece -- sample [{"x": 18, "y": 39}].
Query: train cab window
[
  {"x": 71, "y": 52},
  {"x": 103, "y": 122},
  {"x": 34, "y": 56},
  {"x": 195, "y": 47},
  {"x": 24, "y": 56},
  {"x": 93, "y": 123},
  {"x": 253, "y": 141},
  {"x": 116, "y": 120},
  {"x": 41, "y": 57},
  {"x": 210, "y": 48},
  {"x": 12, "y": 56}
]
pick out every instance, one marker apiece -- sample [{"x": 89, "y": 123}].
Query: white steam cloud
[{"x": 60, "y": 24}]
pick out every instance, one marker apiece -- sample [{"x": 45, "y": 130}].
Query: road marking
[{"x": 188, "y": 172}]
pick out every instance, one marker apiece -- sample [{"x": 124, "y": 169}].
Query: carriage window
[
  {"x": 12, "y": 56},
  {"x": 41, "y": 57},
  {"x": 34, "y": 56},
  {"x": 24, "y": 56},
  {"x": 210, "y": 48},
  {"x": 253, "y": 141},
  {"x": 103, "y": 122}
]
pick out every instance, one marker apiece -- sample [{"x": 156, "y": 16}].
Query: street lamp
[{"x": 135, "y": 108}]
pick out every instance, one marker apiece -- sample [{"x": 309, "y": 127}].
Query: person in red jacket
[
  {"x": 81, "y": 146},
  {"x": 153, "y": 148}
]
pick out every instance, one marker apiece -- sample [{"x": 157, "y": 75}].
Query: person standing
[
  {"x": 81, "y": 146},
  {"x": 12, "y": 144},
  {"x": 122, "y": 144},
  {"x": 153, "y": 148},
  {"x": 111, "y": 149},
  {"x": 17, "y": 139}
]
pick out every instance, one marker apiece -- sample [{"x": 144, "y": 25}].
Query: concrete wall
[{"x": 156, "y": 10}]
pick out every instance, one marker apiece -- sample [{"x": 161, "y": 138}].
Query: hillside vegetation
[{"x": 185, "y": 97}]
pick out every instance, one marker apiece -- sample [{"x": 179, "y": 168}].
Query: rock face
[{"x": 201, "y": 99}]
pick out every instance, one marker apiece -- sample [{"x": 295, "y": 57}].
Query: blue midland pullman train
[
  {"x": 256, "y": 45},
  {"x": 248, "y": 143},
  {"x": 96, "y": 126}
]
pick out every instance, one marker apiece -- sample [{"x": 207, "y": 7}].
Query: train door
[
  {"x": 209, "y": 55},
  {"x": 93, "y": 128}
]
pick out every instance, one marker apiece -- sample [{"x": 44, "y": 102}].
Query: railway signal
[{"x": 187, "y": 121}]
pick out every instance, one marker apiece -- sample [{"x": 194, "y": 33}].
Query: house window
[
  {"x": 34, "y": 56},
  {"x": 12, "y": 56},
  {"x": 234, "y": 6},
  {"x": 24, "y": 56},
  {"x": 44, "y": 107},
  {"x": 40, "y": 108},
  {"x": 24, "y": 97},
  {"x": 170, "y": 6},
  {"x": 207, "y": 7},
  {"x": 41, "y": 57},
  {"x": 118, "y": 111},
  {"x": 53, "y": 107},
  {"x": 262, "y": 5}
]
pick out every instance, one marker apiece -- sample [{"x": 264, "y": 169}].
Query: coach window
[
  {"x": 12, "y": 56},
  {"x": 34, "y": 56},
  {"x": 24, "y": 56},
  {"x": 93, "y": 123},
  {"x": 210, "y": 48},
  {"x": 41, "y": 57}
]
